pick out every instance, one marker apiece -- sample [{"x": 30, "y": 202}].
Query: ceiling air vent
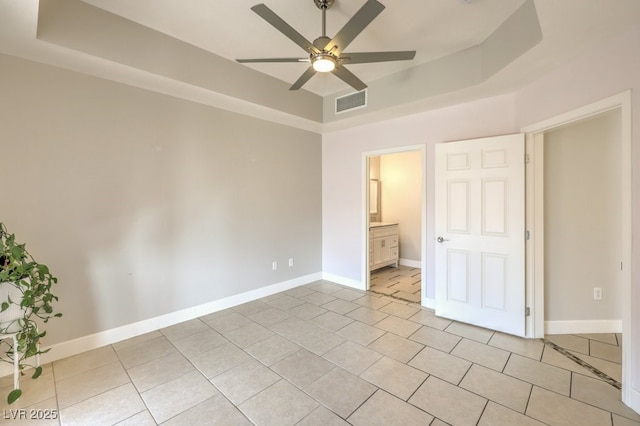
[{"x": 351, "y": 101}]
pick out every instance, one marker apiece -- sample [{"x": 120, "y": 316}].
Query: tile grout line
[
  {"x": 393, "y": 296},
  {"x": 146, "y": 407},
  {"x": 610, "y": 380}
]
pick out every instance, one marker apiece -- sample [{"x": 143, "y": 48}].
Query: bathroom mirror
[{"x": 374, "y": 198}]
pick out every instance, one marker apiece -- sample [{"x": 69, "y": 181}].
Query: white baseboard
[
  {"x": 411, "y": 263},
  {"x": 583, "y": 327},
  {"x": 348, "y": 282},
  {"x": 107, "y": 337}
]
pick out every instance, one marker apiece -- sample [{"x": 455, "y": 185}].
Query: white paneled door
[{"x": 480, "y": 234}]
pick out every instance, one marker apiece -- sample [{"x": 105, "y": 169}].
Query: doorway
[
  {"x": 535, "y": 223},
  {"x": 582, "y": 229},
  {"x": 395, "y": 222}
]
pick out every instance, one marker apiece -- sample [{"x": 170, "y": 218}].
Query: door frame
[
  {"x": 535, "y": 219},
  {"x": 423, "y": 213}
]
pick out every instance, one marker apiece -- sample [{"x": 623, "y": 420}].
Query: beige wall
[
  {"x": 143, "y": 204},
  {"x": 582, "y": 220},
  {"x": 401, "y": 177}
]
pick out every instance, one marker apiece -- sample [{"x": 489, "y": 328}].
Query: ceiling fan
[{"x": 325, "y": 54}]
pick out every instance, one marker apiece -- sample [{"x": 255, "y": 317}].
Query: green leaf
[
  {"x": 14, "y": 395},
  {"x": 4, "y": 307},
  {"x": 37, "y": 372}
]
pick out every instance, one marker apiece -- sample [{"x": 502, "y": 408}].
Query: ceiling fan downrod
[{"x": 323, "y": 5}]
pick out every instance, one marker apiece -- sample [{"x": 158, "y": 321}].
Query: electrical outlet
[
  {"x": 290, "y": 262},
  {"x": 597, "y": 293},
  {"x": 274, "y": 265}
]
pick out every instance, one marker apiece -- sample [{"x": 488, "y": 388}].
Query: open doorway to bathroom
[{"x": 395, "y": 221}]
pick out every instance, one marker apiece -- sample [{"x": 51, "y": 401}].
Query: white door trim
[
  {"x": 365, "y": 213},
  {"x": 535, "y": 253}
]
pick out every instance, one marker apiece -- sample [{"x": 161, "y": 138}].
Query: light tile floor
[
  {"x": 402, "y": 282},
  {"x": 322, "y": 354}
]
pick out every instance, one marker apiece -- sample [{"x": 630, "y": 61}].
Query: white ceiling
[
  {"x": 232, "y": 30},
  {"x": 434, "y": 28}
]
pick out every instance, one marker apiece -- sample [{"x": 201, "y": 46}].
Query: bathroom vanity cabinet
[{"x": 383, "y": 245}]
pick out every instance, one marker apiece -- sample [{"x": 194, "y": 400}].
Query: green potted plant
[{"x": 25, "y": 302}]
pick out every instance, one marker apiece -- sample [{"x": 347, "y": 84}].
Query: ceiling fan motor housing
[{"x": 321, "y": 42}]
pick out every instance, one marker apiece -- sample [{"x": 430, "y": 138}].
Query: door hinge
[
  {"x": 527, "y": 312},
  {"x": 526, "y": 159},
  {"x": 527, "y": 235}
]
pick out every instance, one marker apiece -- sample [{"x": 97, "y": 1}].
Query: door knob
[{"x": 441, "y": 240}]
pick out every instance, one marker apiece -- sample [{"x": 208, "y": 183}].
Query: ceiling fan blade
[
  {"x": 347, "y": 76},
  {"x": 310, "y": 72},
  {"x": 286, "y": 29},
  {"x": 365, "y": 57},
  {"x": 243, "y": 61},
  {"x": 356, "y": 24}
]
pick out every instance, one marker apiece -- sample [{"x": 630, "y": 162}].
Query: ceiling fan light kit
[
  {"x": 323, "y": 62},
  {"x": 326, "y": 54}
]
